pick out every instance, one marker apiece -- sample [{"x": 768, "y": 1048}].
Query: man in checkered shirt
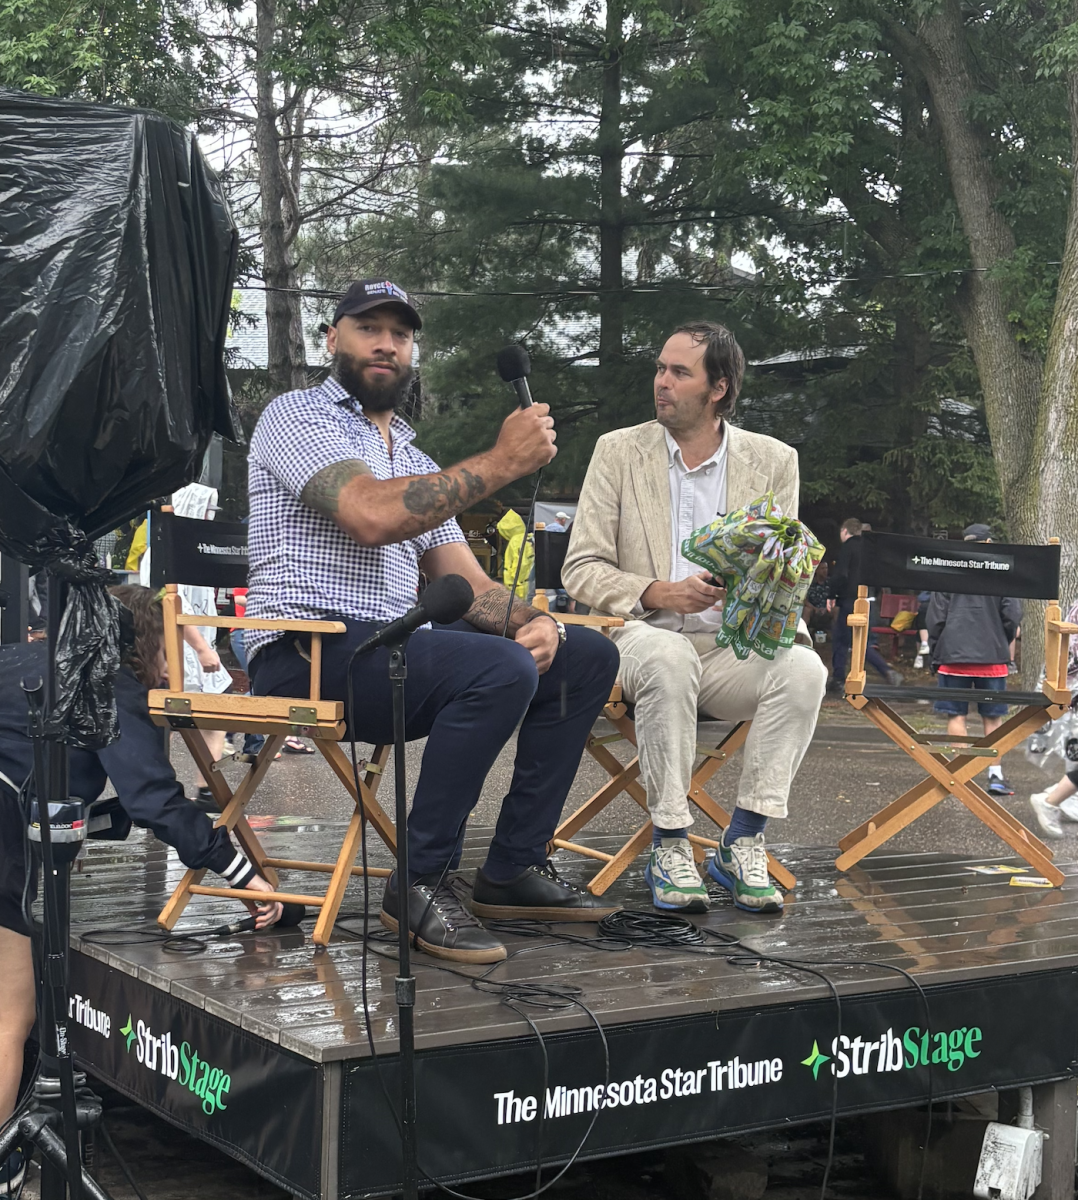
[{"x": 345, "y": 513}]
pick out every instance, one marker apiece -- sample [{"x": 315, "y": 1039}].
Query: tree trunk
[
  {"x": 1010, "y": 376},
  {"x": 1055, "y": 445},
  {"x": 611, "y": 216},
  {"x": 287, "y": 360}
]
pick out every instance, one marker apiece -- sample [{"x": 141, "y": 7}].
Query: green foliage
[{"x": 142, "y": 52}]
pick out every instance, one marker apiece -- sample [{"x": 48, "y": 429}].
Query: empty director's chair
[
  {"x": 972, "y": 568},
  {"x": 716, "y": 744},
  {"x": 214, "y": 554}
]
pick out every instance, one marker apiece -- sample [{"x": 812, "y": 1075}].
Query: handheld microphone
[
  {"x": 446, "y": 600},
  {"x": 514, "y": 366},
  {"x": 292, "y": 915}
]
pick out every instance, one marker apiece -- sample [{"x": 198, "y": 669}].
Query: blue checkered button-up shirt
[{"x": 302, "y": 565}]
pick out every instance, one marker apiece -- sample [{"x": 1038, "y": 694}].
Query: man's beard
[{"x": 373, "y": 397}]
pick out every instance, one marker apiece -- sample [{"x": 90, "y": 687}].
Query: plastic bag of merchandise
[
  {"x": 766, "y": 562},
  {"x": 1054, "y": 747}
]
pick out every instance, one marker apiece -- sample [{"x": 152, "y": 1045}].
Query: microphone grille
[
  {"x": 514, "y": 363},
  {"x": 447, "y": 599}
]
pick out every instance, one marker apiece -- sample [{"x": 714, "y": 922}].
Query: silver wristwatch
[{"x": 560, "y": 627}]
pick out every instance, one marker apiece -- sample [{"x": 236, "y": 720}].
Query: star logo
[
  {"x": 815, "y": 1060},
  {"x": 129, "y": 1031}
]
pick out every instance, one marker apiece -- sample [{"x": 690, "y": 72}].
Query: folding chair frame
[
  {"x": 953, "y": 776},
  {"x": 624, "y": 778},
  {"x": 277, "y": 717}
]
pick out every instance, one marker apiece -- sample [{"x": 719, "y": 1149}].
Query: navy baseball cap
[{"x": 366, "y": 294}]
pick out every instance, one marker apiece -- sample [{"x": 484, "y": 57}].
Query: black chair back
[
  {"x": 974, "y": 568},
  {"x": 199, "y": 553},
  {"x": 550, "y": 551}
]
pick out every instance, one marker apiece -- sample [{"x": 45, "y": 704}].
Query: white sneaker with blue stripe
[
  {"x": 741, "y": 868},
  {"x": 673, "y": 879}
]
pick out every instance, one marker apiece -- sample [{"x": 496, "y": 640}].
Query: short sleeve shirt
[{"x": 303, "y": 566}]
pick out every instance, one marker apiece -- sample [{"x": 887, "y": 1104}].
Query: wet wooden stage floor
[{"x": 931, "y": 915}]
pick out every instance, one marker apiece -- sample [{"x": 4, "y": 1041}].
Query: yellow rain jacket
[
  {"x": 511, "y": 527},
  {"x": 138, "y": 548}
]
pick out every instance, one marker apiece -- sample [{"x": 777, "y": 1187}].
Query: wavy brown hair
[{"x": 143, "y": 655}]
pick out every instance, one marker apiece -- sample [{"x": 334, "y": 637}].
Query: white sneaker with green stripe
[
  {"x": 741, "y": 868},
  {"x": 672, "y": 876}
]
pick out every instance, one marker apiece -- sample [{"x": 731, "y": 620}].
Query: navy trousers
[{"x": 465, "y": 693}]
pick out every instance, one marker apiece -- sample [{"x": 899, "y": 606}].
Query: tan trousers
[{"x": 671, "y": 677}]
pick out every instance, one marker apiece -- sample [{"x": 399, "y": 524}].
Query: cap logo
[{"x": 385, "y": 288}]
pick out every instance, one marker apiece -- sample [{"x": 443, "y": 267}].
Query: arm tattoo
[
  {"x": 487, "y": 613},
  {"x": 323, "y": 490},
  {"x": 441, "y": 496}
]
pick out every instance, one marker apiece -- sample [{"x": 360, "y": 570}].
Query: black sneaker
[
  {"x": 537, "y": 894},
  {"x": 440, "y": 924},
  {"x": 203, "y": 800},
  {"x": 998, "y": 786}
]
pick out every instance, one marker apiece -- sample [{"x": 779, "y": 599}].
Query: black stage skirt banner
[
  {"x": 259, "y": 1103},
  {"x": 485, "y": 1110}
]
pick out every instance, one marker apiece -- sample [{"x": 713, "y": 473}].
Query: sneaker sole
[
  {"x": 494, "y": 954},
  {"x": 517, "y": 912},
  {"x": 771, "y": 908},
  {"x": 698, "y": 904}
]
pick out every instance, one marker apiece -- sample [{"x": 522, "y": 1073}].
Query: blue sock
[
  {"x": 658, "y": 834},
  {"x": 743, "y": 824}
]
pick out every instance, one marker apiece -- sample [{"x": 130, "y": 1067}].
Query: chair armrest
[
  {"x": 281, "y": 626},
  {"x": 595, "y": 622},
  {"x": 856, "y": 619},
  {"x": 1063, "y": 627}
]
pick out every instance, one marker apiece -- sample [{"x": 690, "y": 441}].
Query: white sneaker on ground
[
  {"x": 919, "y": 662},
  {"x": 1069, "y": 808},
  {"x": 1048, "y": 815}
]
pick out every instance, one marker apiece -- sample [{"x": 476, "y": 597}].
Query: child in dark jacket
[{"x": 971, "y": 638}]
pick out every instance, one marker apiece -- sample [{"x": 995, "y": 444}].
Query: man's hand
[
  {"x": 691, "y": 595},
  {"x": 540, "y": 638},
  {"x": 526, "y": 440},
  {"x": 209, "y": 660},
  {"x": 269, "y": 913}
]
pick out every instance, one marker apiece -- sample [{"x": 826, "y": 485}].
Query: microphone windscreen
[
  {"x": 514, "y": 363},
  {"x": 447, "y": 599}
]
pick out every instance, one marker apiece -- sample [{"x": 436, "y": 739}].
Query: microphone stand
[{"x": 404, "y": 985}]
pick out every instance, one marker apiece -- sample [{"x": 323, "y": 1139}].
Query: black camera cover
[{"x": 117, "y": 256}]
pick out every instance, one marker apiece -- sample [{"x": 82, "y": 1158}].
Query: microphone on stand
[
  {"x": 514, "y": 366},
  {"x": 446, "y": 600}
]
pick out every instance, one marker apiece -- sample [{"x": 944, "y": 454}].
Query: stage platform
[{"x": 258, "y": 1044}]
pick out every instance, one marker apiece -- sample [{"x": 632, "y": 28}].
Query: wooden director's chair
[
  {"x": 214, "y": 554},
  {"x": 972, "y": 568},
  {"x": 716, "y": 744}
]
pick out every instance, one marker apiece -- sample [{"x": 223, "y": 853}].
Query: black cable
[{"x": 119, "y": 1160}]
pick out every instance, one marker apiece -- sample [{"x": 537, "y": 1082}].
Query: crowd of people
[{"x": 346, "y": 514}]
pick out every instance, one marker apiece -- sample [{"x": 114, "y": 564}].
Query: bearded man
[
  {"x": 345, "y": 513},
  {"x": 646, "y": 490}
]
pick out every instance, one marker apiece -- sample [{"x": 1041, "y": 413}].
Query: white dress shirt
[{"x": 697, "y": 498}]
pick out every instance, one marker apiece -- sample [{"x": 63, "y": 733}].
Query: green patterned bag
[{"x": 766, "y": 562}]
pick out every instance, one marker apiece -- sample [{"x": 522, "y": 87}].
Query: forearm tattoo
[
  {"x": 442, "y": 496},
  {"x": 487, "y": 613},
  {"x": 323, "y": 490}
]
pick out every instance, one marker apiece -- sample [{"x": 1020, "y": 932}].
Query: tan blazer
[{"x": 621, "y": 536}]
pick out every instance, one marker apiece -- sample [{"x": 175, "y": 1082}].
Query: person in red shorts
[{"x": 971, "y": 637}]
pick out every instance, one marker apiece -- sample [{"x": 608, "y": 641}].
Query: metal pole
[{"x": 405, "y": 982}]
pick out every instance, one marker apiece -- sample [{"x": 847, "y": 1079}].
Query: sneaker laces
[
  {"x": 444, "y": 900},
  {"x": 750, "y": 854},
  {"x": 679, "y": 864},
  {"x": 549, "y": 871}
]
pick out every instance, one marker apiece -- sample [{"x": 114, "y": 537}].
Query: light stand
[{"x": 62, "y": 1171}]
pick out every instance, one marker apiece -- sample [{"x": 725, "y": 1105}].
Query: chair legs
[
  {"x": 949, "y": 777},
  {"x": 624, "y": 777},
  {"x": 232, "y": 804}
]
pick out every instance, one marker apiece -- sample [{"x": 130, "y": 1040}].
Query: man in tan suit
[{"x": 647, "y": 489}]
